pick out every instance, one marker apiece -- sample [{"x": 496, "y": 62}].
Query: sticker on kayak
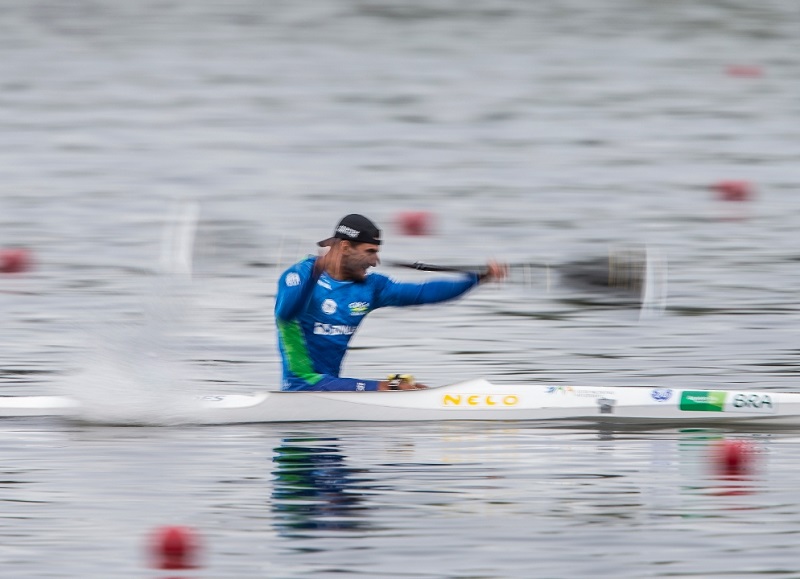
[
  {"x": 579, "y": 392},
  {"x": 724, "y": 401},
  {"x": 661, "y": 394},
  {"x": 703, "y": 401},
  {"x": 757, "y": 402},
  {"x": 480, "y": 400},
  {"x": 606, "y": 405}
]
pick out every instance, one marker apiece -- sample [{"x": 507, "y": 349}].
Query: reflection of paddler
[{"x": 313, "y": 488}]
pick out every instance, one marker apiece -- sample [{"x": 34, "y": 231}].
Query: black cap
[{"x": 356, "y": 228}]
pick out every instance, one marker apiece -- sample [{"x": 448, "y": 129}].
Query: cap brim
[{"x": 326, "y": 242}]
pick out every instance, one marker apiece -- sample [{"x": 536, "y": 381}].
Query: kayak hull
[{"x": 478, "y": 400}]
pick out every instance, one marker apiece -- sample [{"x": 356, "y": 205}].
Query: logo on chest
[
  {"x": 329, "y": 307},
  {"x": 358, "y": 308}
]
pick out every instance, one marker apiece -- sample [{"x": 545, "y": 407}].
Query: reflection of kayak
[{"x": 471, "y": 400}]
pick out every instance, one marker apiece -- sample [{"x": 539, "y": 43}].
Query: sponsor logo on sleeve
[
  {"x": 293, "y": 280},
  {"x": 661, "y": 394}
]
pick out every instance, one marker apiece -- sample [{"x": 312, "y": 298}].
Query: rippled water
[{"x": 532, "y": 131}]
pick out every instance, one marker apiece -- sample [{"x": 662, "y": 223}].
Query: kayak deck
[{"x": 470, "y": 400}]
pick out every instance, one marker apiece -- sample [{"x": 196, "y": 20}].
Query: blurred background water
[{"x": 541, "y": 131}]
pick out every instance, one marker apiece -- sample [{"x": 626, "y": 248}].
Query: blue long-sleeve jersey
[{"x": 316, "y": 316}]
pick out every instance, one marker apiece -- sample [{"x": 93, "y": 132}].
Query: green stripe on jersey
[{"x": 294, "y": 345}]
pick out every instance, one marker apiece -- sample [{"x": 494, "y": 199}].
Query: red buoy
[
  {"x": 415, "y": 223},
  {"x": 745, "y": 71},
  {"x": 732, "y": 190},
  {"x": 733, "y": 457},
  {"x": 174, "y": 547},
  {"x": 14, "y": 260}
]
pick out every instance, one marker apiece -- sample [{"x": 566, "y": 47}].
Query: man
[{"x": 322, "y": 300}]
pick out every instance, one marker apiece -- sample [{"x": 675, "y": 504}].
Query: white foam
[{"x": 134, "y": 373}]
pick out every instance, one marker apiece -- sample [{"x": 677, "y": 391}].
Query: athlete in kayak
[{"x": 322, "y": 300}]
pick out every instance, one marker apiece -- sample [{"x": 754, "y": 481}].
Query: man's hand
[
  {"x": 495, "y": 271},
  {"x": 398, "y": 382}
]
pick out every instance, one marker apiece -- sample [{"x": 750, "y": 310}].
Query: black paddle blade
[
  {"x": 634, "y": 272},
  {"x": 624, "y": 270}
]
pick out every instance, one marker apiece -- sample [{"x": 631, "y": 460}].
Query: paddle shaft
[
  {"x": 634, "y": 271},
  {"x": 617, "y": 274},
  {"x": 478, "y": 269}
]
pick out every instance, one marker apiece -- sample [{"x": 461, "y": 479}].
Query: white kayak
[{"x": 470, "y": 400}]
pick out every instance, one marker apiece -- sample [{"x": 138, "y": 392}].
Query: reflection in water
[{"x": 314, "y": 489}]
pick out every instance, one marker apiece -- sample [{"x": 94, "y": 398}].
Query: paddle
[{"x": 633, "y": 272}]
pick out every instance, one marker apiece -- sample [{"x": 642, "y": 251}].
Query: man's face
[{"x": 357, "y": 259}]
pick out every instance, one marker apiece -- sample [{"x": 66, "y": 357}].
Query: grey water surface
[{"x": 531, "y": 131}]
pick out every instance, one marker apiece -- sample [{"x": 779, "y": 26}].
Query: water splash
[
  {"x": 133, "y": 376},
  {"x": 134, "y": 373}
]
